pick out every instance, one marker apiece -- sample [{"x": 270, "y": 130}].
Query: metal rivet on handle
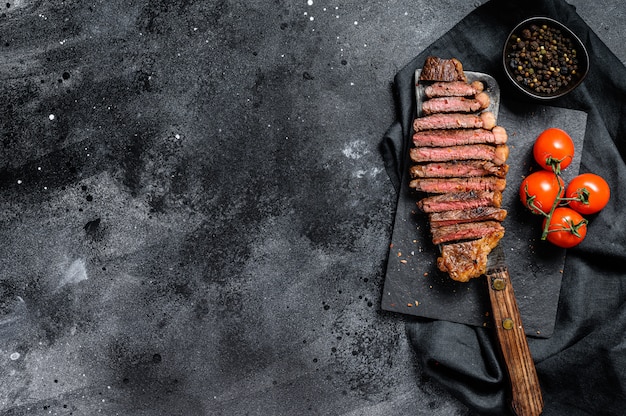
[
  {"x": 507, "y": 323},
  {"x": 498, "y": 283}
]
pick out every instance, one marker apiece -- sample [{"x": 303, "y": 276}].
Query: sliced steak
[
  {"x": 460, "y": 200},
  {"x": 484, "y": 120},
  {"x": 459, "y": 216},
  {"x": 440, "y": 69},
  {"x": 496, "y": 154},
  {"x": 455, "y": 104},
  {"x": 460, "y": 169},
  {"x": 468, "y": 260},
  {"x": 446, "y": 185},
  {"x": 453, "y": 89},
  {"x": 456, "y": 137},
  {"x": 464, "y": 231}
]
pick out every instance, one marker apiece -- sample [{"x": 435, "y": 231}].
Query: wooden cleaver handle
[{"x": 526, "y": 398}]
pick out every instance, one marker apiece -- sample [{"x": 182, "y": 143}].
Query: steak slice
[
  {"x": 440, "y": 69},
  {"x": 458, "y": 216},
  {"x": 456, "y": 104},
  {"x": 460, "y": 200},
  {"x": 460, "y": 169},
  {"x": 484, "y": 120},
  {"x": 456, "y": 137},
  {"x": 446, "y": 185},
  {"x": 464, "y": 231},
  {"x": 453, "y": 89},
  {"x": 496, "y": 154},
  {"x": 468, "y": 260}
]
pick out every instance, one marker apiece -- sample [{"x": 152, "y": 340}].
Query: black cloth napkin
[{"x": 582, "y": 366}]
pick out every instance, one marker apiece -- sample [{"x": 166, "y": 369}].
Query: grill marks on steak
[
  {"x": 442, "y": 138},
  {"x": 460, "y": 167}
]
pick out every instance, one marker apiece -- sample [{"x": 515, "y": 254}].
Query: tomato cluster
[{"x": 545, "y": 193}]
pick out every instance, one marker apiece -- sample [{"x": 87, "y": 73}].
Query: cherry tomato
[
  {"x": 553, "y": 146},
  {"x": 539, "y": 190},
  {"x": 593, "y": 191},
  {"x": 567, "y": 227}
]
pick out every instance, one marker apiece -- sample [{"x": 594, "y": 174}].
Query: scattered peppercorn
[{"x": 543, "y": 59}]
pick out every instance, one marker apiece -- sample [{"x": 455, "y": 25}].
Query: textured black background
[{"x": 194, "y": 215}]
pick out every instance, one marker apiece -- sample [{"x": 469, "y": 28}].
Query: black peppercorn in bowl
[{"x": 544, "y": 59}]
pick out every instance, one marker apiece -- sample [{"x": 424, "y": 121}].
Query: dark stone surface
[{"x": 194, "y": 215}]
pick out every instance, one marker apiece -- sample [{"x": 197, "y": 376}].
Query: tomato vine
[{"x": 544, "y": 193}]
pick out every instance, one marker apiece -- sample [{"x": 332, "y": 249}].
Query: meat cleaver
[{"x": 526, "y": 398}]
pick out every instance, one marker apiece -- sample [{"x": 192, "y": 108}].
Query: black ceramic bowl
[{"x": 544, "y": 59}]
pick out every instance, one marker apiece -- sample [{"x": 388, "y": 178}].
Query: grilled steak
[
  {"x": 438, "y": 69},
  {"x": 446, "y": 185},
  {"x": 458, "y": 216},
  {"x": 484, "y": 120},
  {"x": 466, "y": 260},
  {"x": 455, "y": 104},
  {"x": 460, "y": 169},
  {"x": 442, "y": 138},
  {"x": 453, "y": 89},
  {"x": 464, "y": 231},
  {"x": 460, "y": 200},
  {"x": 496, "y": 154}
]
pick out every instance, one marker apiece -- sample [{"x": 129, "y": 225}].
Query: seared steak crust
[
  {"x": 438, "y": 69},
  {"x": 466, "y": 260}
]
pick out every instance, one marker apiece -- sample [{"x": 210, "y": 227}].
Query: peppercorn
[{"x": 543, "y": 59}]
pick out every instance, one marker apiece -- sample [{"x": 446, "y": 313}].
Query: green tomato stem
[
  {"x": 571, "y": 227},
  {"x": 530, "y": 203},
  {"x": 557, "y": 172},
  {"x": 555, "y": 164}
]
